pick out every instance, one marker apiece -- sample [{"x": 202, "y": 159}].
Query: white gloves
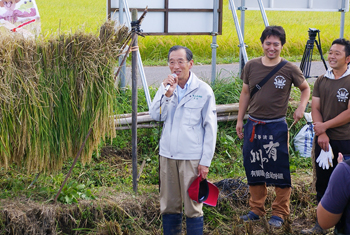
[{"x": 325, "y": 158}]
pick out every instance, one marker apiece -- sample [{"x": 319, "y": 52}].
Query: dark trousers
[{"x": 342, "y": 146}]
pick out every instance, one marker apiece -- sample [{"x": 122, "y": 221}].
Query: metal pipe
[
  {"x": 263, "y": 13},
  {"x": 238, "y": 30},
  {"x": 342, "y": 20},
  {"x": 108, "y": 4},
  {"x": 310, "y": 4},
  {"x": 134, "y": 106},
  {"x": 143, "y": 79},
  {"x": 127, "y": 13},
  {"x": 140, "y": 65},
  {"x": 241, "y": 60},
  {"x": 121, "y": 58},
  {"x": 214, "y": 45}
]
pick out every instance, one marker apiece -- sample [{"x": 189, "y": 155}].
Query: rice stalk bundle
[{"x": 52, "y": 91}]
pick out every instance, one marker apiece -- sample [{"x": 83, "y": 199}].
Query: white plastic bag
[{"x": 303, "y": 140}]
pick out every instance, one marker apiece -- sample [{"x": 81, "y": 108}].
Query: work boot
[
  {"x": 276, "y": 221},
  {"x": 314, "y": 230},
  {"x": 251, "y": 216},
  {"x": 172, "y": 224},
  {"x": 194, "y": 226}
]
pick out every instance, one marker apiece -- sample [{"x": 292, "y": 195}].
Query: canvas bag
[{"x": 303, "y": 140}]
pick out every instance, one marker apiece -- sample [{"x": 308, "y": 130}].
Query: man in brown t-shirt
[
  {"x": 265, "y": 147},
  {"x": 331, "y": 116}
]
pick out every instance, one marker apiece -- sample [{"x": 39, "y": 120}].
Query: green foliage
[
  {"x": 150, "y": 174},
  {"x": 297, "y": 162},
  {"x": 73, "y": 191},
  {"x": 81, "y": 185},
  {"x": 148, "y": 141},
  {"x": 227, "y": 90},
  {"x": 124, "y": 100},
  {"x": 228, "y": 159}
]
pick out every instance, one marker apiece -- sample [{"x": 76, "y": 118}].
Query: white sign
[
  {"x": 180, "y": 4},
  {"x": 173, "y": 16},
  {"x": 21, "y": 16},
  {"x": 296, "y": 5}
]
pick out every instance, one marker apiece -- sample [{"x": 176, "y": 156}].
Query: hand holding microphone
[
  {"x": 166, "y": 88},
  {"x": 172, "y": 79}
]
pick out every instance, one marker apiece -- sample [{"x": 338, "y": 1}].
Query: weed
[
  {"x": 227, "y": 90},
  {"x": 73, "y": 191}
]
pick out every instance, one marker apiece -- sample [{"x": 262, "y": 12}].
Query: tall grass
[
  {"x": 296, "y": 25},
  {"x": 54, "y": 91},
  {"x": 68, "y": 15}
]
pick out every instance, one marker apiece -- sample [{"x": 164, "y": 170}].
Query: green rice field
[{"x": 71, "y": 15}]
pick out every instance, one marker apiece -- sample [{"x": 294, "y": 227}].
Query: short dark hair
[
  {"x": 345, "y": 43},
  {"x": 189, "y": 54},
  {"x": 277, "y": 31}
]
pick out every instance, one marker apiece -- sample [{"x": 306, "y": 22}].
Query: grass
[
  {"x": 68, "y": 15},
  {"x": 101, "y": 197},
  {"x": 71, "y": 15},
  {"x": 111, "y": 164},
  {"x": 296, "y": 25},
  {"x": 107, "y": 179},
  {"x": 226, "y": 163}
]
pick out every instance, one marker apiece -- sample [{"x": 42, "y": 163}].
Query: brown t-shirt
[
  {"x": 334, "y": 99},
  {"x": 271, "y": 101}
]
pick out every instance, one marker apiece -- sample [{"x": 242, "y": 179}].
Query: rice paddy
[{"x": 89, "y": 15}]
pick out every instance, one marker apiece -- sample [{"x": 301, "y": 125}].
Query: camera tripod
[{"x": 305, "y": 65}]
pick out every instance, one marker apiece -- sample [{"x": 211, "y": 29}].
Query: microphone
[
  {"x": 168, "y": 85},
  {"x": 166, "y": 88}
]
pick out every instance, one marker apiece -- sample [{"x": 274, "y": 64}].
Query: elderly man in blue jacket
[{"x": 187, "y": 106}]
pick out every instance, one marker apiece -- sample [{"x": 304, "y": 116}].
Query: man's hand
[
  {"x": 340, "y": 157},
  {"x": 304, "y": 98},
  {"x": 203, "y": 171},
  {"x": 323, "y": 142},
  {"x": 239, "y": 129},
  {"x": 298, "y": 114},
  {"x": 319, "y": 128},
  {"x": 173, "y": 81}
]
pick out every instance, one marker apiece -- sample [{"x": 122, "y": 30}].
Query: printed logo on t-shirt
[
  {"x": 280, "y": 82},
  {"x": 342, "y": 95}
]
